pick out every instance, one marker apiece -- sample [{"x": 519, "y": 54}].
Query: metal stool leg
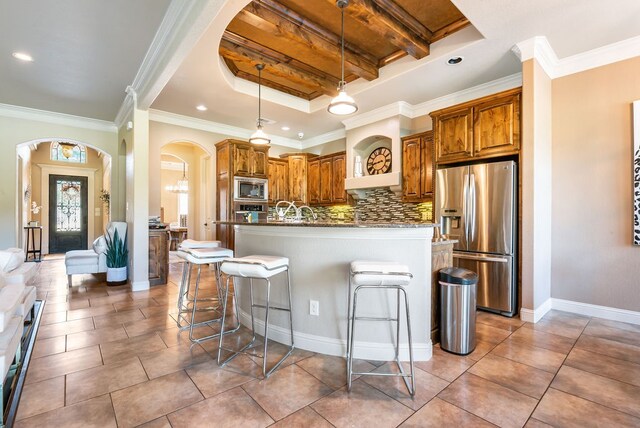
[
  {"x": 412, "y": 390},
  {"x": 353, "y": 333},
  {"x": 266, "y": 331}
]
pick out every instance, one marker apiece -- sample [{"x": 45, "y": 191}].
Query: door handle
[
  {"x": 472, "y": 206},
  {"x": 465, "y": 208},
  {"x": 480, "y": 258}
]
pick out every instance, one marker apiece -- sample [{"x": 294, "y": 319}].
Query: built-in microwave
[{"x": 250, "y": 189}]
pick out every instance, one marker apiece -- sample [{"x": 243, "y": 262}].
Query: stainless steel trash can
[{"x": 457, "y": 310}]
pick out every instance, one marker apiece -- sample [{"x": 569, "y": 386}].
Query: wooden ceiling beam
[
  {"x": 276, "y": 66},
  {"x": 271, "y": 84},
  {"x": 392, "y": 22},
  {"x": 276, "y": 19},
  {"x": 294, "y": 64},
  {"x": 451, "y": 28}
]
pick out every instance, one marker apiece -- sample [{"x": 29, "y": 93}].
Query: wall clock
[{"x": 379, "y": 161}]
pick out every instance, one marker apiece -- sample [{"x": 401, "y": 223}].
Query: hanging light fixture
[
  {"x": 343, "y": 103},
  {"x": 259, "y": 137},
  {"x": 182, "y": 185}
]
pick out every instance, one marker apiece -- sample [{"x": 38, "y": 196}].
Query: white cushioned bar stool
[
  {"x": 261, "y": 268},
  {"x": 199, "y": 257},
  {"x": 185, "y": 300},
  {"x": 379, "y": 275}
]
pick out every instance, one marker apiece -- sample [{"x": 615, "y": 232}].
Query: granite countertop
[
  {"x": 318, "y": 223},
  {"x": 444, "y": 242}
]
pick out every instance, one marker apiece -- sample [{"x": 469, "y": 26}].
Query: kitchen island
[{"x": 319, "y": 259}]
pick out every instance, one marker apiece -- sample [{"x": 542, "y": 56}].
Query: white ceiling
[{"x": 87, "y": 52}]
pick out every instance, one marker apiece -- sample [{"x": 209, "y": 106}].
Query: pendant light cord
[
  {"x": 342, "y": 82},
  {"x": 259, "y": 97}
]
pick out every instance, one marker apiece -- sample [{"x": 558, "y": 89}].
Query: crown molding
[
  {"x": 484, "y": 89},
  {"x": 184, "y": 22},
  {"x": 539, "y": 48},
  {"x": 18, "y": 112},
  {"x": 399, "y": 108},
  {"x": 215, "y": 127}
]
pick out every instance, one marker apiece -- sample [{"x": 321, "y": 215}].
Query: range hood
[{"x": 362, "y": 140}]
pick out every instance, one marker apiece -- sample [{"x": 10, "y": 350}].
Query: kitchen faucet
[
  {"x": 299, "y": 212},
  {"x": 289, "y": 206}
]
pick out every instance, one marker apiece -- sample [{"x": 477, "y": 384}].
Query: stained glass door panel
[{"x": 67, "y": 213}]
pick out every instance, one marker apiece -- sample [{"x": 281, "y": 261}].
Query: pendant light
[
  {"x": 182, "y": 185},
  {"x": 343, "y": 103},
  {"x": 259, "y": 137}
]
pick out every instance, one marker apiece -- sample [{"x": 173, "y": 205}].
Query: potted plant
[{"x": 117, "y": 255}]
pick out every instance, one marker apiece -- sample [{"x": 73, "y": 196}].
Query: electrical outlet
[
  {"x": 314, "y": 307},
  {"x": 425, "y": 215},
  {"x": 340, "y": 216}
]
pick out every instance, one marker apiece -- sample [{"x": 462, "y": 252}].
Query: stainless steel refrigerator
[{"x": 476, "y": 205}]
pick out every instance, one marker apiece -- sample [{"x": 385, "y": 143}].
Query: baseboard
[
  {"x": 337, "y": 347},
  {"x": 535, "y": 315},
  {"x": 605, "y": 312},
  {"x": 140, "y": 285}
]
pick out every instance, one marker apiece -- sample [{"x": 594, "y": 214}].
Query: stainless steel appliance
[
  {"x": 476, "y": 204},
  {"x": 258, "y": 211},
  {"x": 250, "y": 189}
]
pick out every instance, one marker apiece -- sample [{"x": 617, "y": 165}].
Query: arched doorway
[
  {"x": 188, "y": 211},
  {"x": 64, "y": 186}
]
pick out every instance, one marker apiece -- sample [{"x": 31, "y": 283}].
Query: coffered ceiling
[{"x": 299, "y": 42}]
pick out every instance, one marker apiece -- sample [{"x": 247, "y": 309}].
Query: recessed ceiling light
[
  {"x": 285, "y": 128},
  {"x": 22, "y": 56},
  {"x": 201, "y": 107},
  {"x": 455, "y": 60}
]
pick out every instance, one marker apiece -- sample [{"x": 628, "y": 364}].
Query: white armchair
[{"x": 94, "y": 259}]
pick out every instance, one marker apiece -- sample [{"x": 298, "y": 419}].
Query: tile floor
[{"x": 107, "y": 357}]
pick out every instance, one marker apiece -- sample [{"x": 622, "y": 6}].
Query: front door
[{"x": 67, "y": 213}]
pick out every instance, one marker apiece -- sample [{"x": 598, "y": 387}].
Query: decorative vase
[
  {"x": 357, "y": 167},
  {"x": 117, "y": 276}
]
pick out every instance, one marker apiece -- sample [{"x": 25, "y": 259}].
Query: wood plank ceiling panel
[{"x": 299, "y": 42}]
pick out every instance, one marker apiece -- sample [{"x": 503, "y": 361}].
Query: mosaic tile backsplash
[{"x": 380, "y": 204}]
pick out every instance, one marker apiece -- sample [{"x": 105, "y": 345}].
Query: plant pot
[{"x": 116, "y": 276}]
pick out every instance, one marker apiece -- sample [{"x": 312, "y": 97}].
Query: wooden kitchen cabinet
[
  {"x": 298, "y": 167},
  {"x": 417, "y": 167},
  {"x": 278, "y": 173},
  {"x": 313, "y": 182},
  {"x": 158, "y": 256},
  {"x": 325, "y": 180},
  {"x": 339, "y": 171},
  {"x": 235, "y": 158},
  {"x": 483, "y": 128},
  {"x": 249, "y": 160}
]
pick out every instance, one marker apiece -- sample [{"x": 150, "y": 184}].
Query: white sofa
[
  {"x": 15, "y": 272},
  {"x": 93, "y": 260}
]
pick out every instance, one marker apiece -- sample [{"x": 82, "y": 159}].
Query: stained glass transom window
[
  {"x": 69, "y": 206},
  {"x": 68, "y": 152}
]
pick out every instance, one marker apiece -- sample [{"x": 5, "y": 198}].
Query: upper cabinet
[
  {"x": 278, "y": 180},
  {"x": 249, "y": 160},
  {"x": 483, "y": 128},
  {"x": 417, "y": 167},
  {"x": 298, "y": 164},
  {"x": 325, "y": 182}
]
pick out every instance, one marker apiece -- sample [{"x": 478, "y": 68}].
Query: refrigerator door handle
[
  {"x": 465, "y": 208},
  {"x": 480, "y": 258},
  {"x": 472, "y": 207}
]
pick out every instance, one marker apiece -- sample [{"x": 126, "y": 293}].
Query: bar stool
[
  {"x": 199, "y": 257},
  {"x": 184, "y": 300},
  {"x": 379, "y": 275},
  {"x": 256, "y": 267}
]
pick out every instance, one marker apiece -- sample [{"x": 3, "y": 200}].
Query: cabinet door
[
  {"x": 242, "y": 160},
  {"x": 339, "y": 175},
  {"x": 272, "y": 176},
  {"x": 426, "y": 172},
  {"x": 453, "y": 135},
  {"x": 259, "y": 159},
  {"x": 326, "y": 180},
  {"x": 283, "y": 181},
  {"x": 411, "y": 168},
  {"x": 313, "y": 182},
  {"x": 496, "y": 127},
  {"x": 222, "y": 160},
  {"x": 297, "y": 179}
]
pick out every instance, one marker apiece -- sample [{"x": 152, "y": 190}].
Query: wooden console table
[{"x": 31, "y": 248}]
